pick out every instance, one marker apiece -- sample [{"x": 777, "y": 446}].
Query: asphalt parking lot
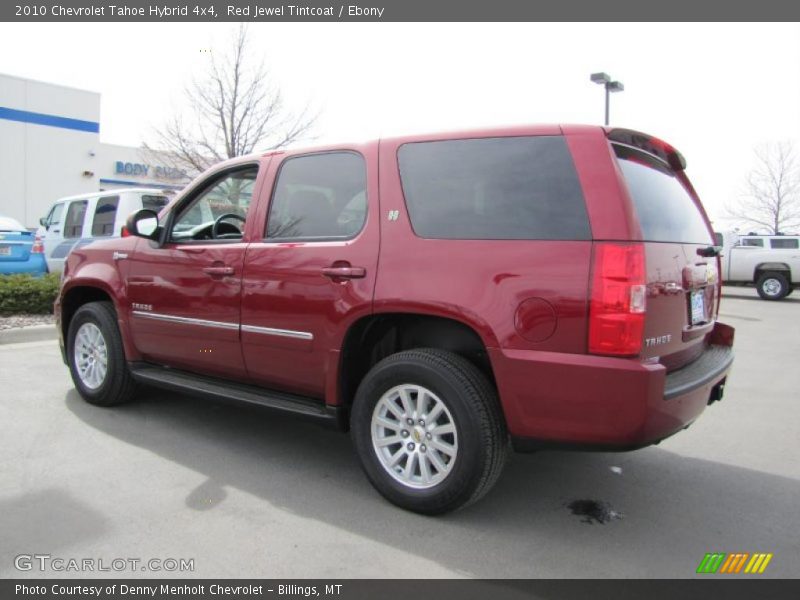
[{"x": 248, "y": 493}]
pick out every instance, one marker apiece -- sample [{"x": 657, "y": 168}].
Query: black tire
[
  {"x": 772, "y": 286},
  {"x": 473, "y": 404},
  {"x": 117, "y": 386}
]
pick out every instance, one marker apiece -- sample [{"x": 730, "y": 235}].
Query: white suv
[{"x": 78, "y": 220}]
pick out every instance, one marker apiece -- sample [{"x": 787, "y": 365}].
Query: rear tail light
[
  {"x": 124, "y": 232},
  {"x": 617, "y": 305},
  {"x": 38, "y": 246}
]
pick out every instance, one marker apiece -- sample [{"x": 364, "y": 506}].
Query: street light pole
[{"x": 610, "y": 86}]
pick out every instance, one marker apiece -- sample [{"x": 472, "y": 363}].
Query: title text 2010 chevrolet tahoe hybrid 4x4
[{"x": 438, "y": 295}]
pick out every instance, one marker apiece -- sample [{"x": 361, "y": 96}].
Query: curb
[{"x": 32, "y": 333}]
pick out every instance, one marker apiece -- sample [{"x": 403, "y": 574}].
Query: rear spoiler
[{"x": 649, "y": 144}]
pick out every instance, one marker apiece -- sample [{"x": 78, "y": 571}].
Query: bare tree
[
  {"x": 234, "y": 109},
  {"x": 772, "y": 193}
]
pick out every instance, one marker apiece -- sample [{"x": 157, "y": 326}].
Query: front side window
[
  {"x": 104, "y": 216},
  {"x": 54, "y": 218},
  {"x": 756, "y": 242},
  {"x": 515, "y": 188},
  {"x": 73, "y": 222},
  {"x": 319, "y": 196},
  {"x": 784, "y": 244},
  {"x": 220, "y": 210}
]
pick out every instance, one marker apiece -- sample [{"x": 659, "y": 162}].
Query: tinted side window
[
  {"x": 790, "y": 244},
  {"x": 666, "y": 210},
  {"x": 319, "y": 196},
  {"x": 73, "y": 223},
  {"x": 753, "y": 242},
  {"x": 104, "y": 216},
  {"x": 522, "y": 188}
]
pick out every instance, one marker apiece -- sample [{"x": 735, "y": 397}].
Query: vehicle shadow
[{"x": 672, "y": 509}]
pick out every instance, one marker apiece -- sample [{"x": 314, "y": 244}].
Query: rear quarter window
[
  {"x": 521, "y": 188},
  {"x": 666, "y": 210},
  {"x": 784, "y": 244},
  {"x": 154, "y": 203}
]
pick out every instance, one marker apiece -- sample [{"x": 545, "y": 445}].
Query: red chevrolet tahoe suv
[{"x": 443, "y": 297}]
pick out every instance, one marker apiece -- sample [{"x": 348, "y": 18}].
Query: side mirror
[{"x": 143, "y": 223}]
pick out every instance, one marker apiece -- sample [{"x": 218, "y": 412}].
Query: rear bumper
[
  {"x": 35, "y": 265},
  {"x": 556, "y": 400}
]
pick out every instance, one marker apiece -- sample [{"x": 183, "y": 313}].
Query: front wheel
[
  {"x": 96, "y": 357},
  {"x": 772, "y": 286},
  {"x": 428, "y": 430}
]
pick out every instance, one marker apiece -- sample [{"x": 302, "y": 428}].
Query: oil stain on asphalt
[{"x": 593, "y": 511}]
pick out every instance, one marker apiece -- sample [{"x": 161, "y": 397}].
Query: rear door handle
[
  {"x": 344, "y": 272},
  {"x": 218, "y": 271}
]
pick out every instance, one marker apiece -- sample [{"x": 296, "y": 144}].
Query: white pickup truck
[{"x": 771, "y": 262}]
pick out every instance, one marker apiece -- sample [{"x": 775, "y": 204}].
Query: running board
[{"x": 220, "y": 389}]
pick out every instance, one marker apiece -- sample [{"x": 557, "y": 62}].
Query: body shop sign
[{"x": 144, "y": 170}]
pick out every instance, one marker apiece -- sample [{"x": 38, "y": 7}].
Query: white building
[{"x": 50, "y": 148}]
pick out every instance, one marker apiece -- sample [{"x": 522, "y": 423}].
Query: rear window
[
  {"x": 521, "y": 188},
  {"x": 666, "y": 210},
  {"x": 9, "y": 224}
]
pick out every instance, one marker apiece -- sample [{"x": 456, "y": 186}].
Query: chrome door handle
[
  {"x": 119, "y": 256},
  {"x": 218, "y": 271}
]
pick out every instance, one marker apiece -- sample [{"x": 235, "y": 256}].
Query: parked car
[
  {"x": 21, "y": 250},
  {"x": 437, "y": 295},
  {"x": 78, "y": 220},
  {"x": 770, "y": 262}
]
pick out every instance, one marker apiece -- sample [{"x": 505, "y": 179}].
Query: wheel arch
[
  {"x": 374, "y": 337},
  {"x": 767, "y": 267},
  {"x": 79, "y": 293}
]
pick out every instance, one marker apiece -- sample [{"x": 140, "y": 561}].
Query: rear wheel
[
  {"x": 96, "y": 357},
  {"x": 772, "y": 286},
  {"x": 428, "y": 430}
]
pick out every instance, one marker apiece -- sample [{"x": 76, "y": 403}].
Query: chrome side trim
[
  {"x": 300, "y": 335},
  {"x": 185, "y": 320}
]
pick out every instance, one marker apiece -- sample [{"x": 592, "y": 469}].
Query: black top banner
[{"x": 397, "y": 10}]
